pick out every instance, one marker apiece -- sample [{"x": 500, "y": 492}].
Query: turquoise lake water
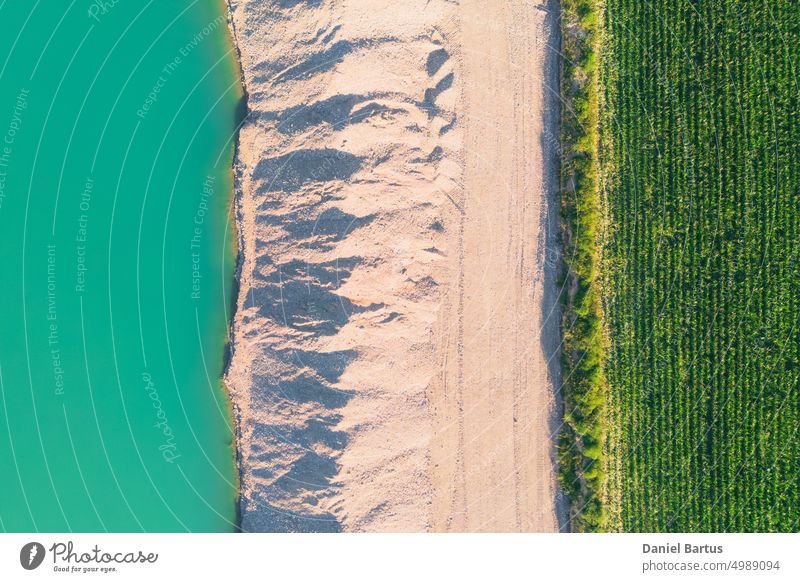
[{"x": 117, "y": 122}]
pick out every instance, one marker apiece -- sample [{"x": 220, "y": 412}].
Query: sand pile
[{"x": 397, "y": 327}]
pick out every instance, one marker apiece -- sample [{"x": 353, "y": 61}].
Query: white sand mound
[{"x": 395, "y": 353}]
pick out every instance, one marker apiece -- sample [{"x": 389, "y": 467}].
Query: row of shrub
[{"x": 582, "y": 440}]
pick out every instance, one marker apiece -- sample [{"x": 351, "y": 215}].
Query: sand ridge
[{"x": 396, "y": 331}]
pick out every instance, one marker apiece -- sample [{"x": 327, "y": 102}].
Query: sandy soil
[{"x": 396, "y": 341}]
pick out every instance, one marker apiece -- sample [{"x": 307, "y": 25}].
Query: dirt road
[{"x": 492, "y": 448}]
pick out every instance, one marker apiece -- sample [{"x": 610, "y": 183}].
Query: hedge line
[{"x": 582, "y": 440}]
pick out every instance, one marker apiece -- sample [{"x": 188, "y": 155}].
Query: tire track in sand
[{"x": 492, "y": 455}]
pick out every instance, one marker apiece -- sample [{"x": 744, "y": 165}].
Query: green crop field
[{"x": 696, "y": 393}]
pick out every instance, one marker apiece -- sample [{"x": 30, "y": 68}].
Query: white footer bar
[{"x": 408, "y": 557}]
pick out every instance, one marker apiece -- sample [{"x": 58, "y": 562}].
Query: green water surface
[{"x": 117, "y": 124}]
